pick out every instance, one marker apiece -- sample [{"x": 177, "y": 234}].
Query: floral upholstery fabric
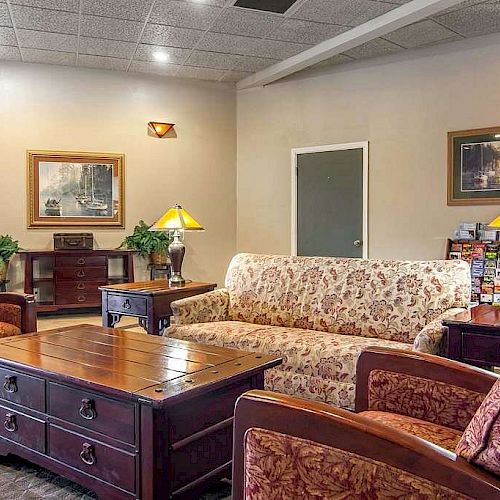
[
  {"x": 204, "y": 308},
  {"x": 425, "y": 399},
  {"x": 279, "y": 466},
  {"x": 10, "y": 313},
  {"x": 316, "y": 356},
  {"x": 391, "y": 300},
  {"x": 480, "y": 443},
  {"x": 446, "y": 437},
  {"x": 7, "y": 330}
]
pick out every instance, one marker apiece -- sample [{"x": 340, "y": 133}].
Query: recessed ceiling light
[{"x": 161, "y": 56}]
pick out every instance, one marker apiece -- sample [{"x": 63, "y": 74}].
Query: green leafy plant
[
  {"x": 8, "y": 247},
  {"x": 145, "y": 241}
]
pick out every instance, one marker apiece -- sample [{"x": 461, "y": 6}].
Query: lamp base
[
  {"x": 176, "y": 250},
  {"x": 176, "y": 280}
]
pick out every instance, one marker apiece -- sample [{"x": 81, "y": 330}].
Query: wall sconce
[{"x": 160, "y": 129}]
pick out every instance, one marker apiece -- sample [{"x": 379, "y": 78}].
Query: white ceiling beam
[{"x": 397, "y": 18}]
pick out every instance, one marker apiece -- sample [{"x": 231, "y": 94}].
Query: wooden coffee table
[
  {"x": 125, "y": 414},
  {"x": 149, "y": 301}
]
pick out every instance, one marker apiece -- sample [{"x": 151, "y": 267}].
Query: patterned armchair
[
  {"x": 425, "y": 428},
  {"x": 319, "y": 313},
  {"x": 17, "y": 314}
]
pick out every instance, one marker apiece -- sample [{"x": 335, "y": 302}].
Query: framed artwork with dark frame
[
  {"x": 474, "y": 167},
  {"x": 67, "y": 188}
]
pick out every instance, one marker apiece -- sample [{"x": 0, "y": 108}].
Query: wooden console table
[
  {"x": 474, "y": 336},
  {"x": 149, "y": 301},
  {"x": 69, "y": 279},
  {"x": 128, "y": 415}
]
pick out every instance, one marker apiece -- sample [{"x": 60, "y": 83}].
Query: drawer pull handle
[
  {"x": 81, "y": 286},
  {"x": 10, "y": 384},
  {"x": 81, "y": 261},
  {"x": 126, "y": 304},
  {"x": 80, "y": 274},
  {"x": 10, "y": 424},
  {"x": 81, "y": 298},
  {"x": 87, "y": 454},
  {"x": 87, "y": 410}
]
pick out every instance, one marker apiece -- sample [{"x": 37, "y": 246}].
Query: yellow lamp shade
[
  {"x": 176, "y": 218},
  {"x": 495, "y": 222},
  {"x": 160, "y": 128}
]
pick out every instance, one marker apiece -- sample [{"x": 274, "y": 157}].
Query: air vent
[{"x": 280, "y": 6}]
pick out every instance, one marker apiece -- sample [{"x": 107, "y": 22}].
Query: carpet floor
[{"x": 21, "y": 480}]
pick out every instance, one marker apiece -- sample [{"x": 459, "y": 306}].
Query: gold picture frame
[
  {"x": 474, "y": 167},
  {"x": 75, "y": 189}
]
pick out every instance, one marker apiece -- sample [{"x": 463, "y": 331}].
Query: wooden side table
[
  {"x": 474, "y": 336},
  {"x": 149, "y": 301}
]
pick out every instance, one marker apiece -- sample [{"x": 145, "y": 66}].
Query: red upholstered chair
[
  {"x": 425, "y": 427},
  {"x": 17, "y": 314}
]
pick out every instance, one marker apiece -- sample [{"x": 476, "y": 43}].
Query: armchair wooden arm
[
  {"x": 28, "y": 309},
  {"x": 383, "y": 457}
]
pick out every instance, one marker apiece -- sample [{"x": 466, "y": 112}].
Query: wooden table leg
[{"x": 454, "y": 343}]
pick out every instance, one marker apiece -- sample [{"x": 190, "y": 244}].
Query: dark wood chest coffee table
[{"x": 127, "y": 415}]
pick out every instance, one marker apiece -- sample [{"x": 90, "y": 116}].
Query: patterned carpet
[{"x": 20, "y": 480}]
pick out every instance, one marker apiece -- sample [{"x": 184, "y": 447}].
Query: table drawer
[
  {"x": 80, "y": 260},
  {"x": 127, "y": 304},
  {"x": 22, "y": 429},
  {"x": 481, "y": 347},
  {"x": 107, "y": 416},
  {"x": 81, "y": 273},
  {"x": 64, "y": 287},
  {"x": 22, "y": 389},
  {"x": 93, "y": 457},
  {"x": 79, "y": 297}
]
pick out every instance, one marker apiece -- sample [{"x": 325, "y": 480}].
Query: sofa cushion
[
  {"x": 10, "y": 313},
  {"x": 7, "y": 330},
  {"x": 446, "y": 437},
  {"x": 480, "y": 443},
  {"x": 385, "y": 299}
]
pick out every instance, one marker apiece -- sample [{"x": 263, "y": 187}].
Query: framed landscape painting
[
  {"x": 67, "y": 188},
  {"x": 474, "y": 167}
]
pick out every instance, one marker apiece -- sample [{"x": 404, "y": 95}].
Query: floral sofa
[{"x": 319, "y": 313}]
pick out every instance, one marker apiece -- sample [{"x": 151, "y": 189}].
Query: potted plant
[
  {"x": 8, "y": 247},
  {"x": 152, "y": 244}
]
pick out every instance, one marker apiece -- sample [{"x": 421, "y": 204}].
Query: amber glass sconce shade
[{"x": 159, "y": 128}]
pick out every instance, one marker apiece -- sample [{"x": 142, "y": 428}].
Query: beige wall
[
  {"x": 58, "y": 108},
  {"x": 404, "y": 108}
]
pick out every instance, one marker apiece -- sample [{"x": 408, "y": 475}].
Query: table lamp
[{"x": 176, "y": 220}]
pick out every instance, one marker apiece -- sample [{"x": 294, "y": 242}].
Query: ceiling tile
[
  {"x": 245, "y": 22},
  {"x": 102, "y": 62},
  {"x": 419, "y": 34},
  {"x": 477, "y": 20},
  {"x": 217, "y": 3},
  {"x": 135, "y": 10},
  {"x": 274, "y": 49},
  {"x": 344, "y": 12},
  {"x": 297, "y": 30},
  {"x": 156, "y": 68},
  {"x": 114, "y": 29},
  {"x": 160, "y": 34},
  {"x": 332, "y": 61},
  {"x": 176, "y": 55},
  {"x": 48, "y": 41},
  {"x": 184, "y": 14},
  {"x": 45, "y": 20},
  {"x": 373, "y": 48},
  {"x": 110, "y": 48},
  {"x": 7, "y": 36},
  {"x": 9, "y": 53},
  {"x": 459, "y": 6},
  {"x": 69, "y": 5},
  {"x": 234, "y": 76},
  {"x": 253, "y": 64},
  {"x": 48, "y": 57},
  {"x": 214, "y": 60},
  {"x": 4, "y": 15},
  {"x": 200, "y": 73}
]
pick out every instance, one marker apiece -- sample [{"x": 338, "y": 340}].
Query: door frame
[{"x": 322, "y": 149}]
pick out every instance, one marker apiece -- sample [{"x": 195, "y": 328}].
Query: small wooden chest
[{"x": 73, "y": 241}]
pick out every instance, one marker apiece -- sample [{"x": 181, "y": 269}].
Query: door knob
[{"x": 357, "y": 243}]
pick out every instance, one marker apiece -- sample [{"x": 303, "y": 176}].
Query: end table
[
  {"x": 149, "y": 301},
  {"x": 474, "y": 336}
]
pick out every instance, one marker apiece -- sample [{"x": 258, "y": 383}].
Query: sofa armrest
[
  {"x": 18, "y": 309},
  {"x": 420, "y": 385},
  {"x": 285, "y": 447},
  {"x": 431, "y": 338},
  {"x": 204, "y": 308}
]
